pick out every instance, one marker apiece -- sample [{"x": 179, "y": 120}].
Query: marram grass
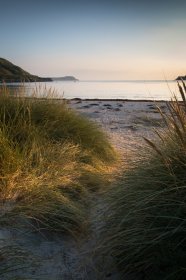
[
  {"x": 49, "y": 158},
  {"x": 146, "y": 227}
]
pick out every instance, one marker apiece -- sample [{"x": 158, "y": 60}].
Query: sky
[{"x": 95, "y": 40}]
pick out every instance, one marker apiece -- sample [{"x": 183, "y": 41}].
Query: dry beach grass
[
  {"x": 146, "y": 225},
  {"x": 51, "y": 160},
  {"x": 73, "y": 174}
]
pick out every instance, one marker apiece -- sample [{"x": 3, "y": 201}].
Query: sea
[{"x": 132, "y": 90}]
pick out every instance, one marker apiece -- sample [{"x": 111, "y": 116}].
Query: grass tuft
[
  {"x": 146, "y": 227},
  {"x": 49, "y": 157}
]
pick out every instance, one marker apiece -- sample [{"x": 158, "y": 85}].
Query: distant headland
[
  {"x": 66, "y": 78},
  {"x": 11, "y": 73}
]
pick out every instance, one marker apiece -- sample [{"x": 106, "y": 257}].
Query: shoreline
[
  {"x": 115, "y": 99},
  {"x": 96, "y": 99}
]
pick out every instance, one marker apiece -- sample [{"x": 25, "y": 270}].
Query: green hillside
[{"x": 12, "y": 73}]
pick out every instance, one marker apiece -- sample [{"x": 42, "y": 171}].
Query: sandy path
[{"x": 57, "y": 257}]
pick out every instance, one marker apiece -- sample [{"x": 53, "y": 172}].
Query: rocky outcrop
[{"x": 181, "y": 78}]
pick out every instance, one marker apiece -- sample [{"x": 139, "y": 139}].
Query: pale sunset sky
[{"x": 95, "y": 40}]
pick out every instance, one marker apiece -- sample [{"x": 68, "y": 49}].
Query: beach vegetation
[
  {"x": 51, "y": 158},
  {"x": 146, "y": 224}
]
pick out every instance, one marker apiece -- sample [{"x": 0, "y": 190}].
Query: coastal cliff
[{"x": 13, "y": 73}]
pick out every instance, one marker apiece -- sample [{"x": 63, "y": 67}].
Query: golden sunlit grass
[
  {"x": 50, "y": 159},
  {"x": 146, "y": 227}
]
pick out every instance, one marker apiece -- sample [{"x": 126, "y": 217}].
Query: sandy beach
[{"x": 126, "y": 122}]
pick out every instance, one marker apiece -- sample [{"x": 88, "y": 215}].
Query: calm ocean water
[{"x": 136, "y": 90}]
